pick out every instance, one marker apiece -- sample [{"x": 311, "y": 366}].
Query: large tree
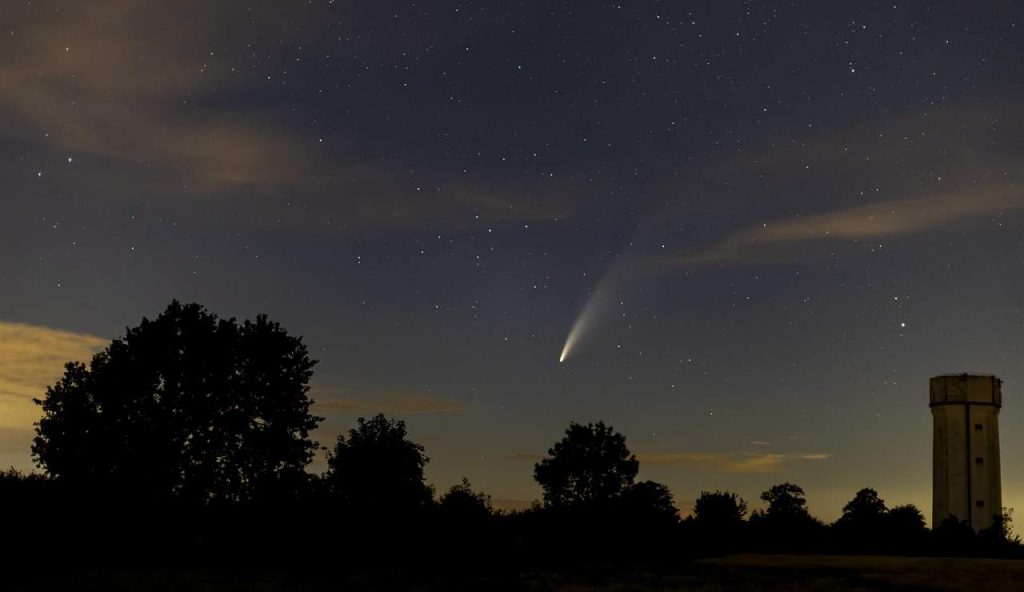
[
  {"x": 184, "y": 406},
  {"x": 589, "y": 466}
]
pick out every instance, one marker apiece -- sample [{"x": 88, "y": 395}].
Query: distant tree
[
  {"x": 460, "y": 502},
  {"x": 466, "y": 528},
  {"x": 184, "y": 406},
  {"x": 13, "y": 475},
  {"x": 1001, "y": 531},
  {"x": 717, "y": 524},
  {"x": 1005, "y": 526},
  {"x": 906, "y": 518},
  {"x": 862, "y": 526},
  {"x": 590, "y": 466},
  {"x": 37, "y": 513},
  {"x": 786, "y": 501},
  {"x": 18, "y": 489},
  {"x": 378, "y": 469},
  {"x": 720, "y": 509},
  {"x": 866, "y": 503},
  {"x": 648, "y": 503},
  {"x": 785, "y": 525},
  {"x": 904, "y": 528},
  {"x": 866, "y": 509},
  {"x": 953, "y": 535}
]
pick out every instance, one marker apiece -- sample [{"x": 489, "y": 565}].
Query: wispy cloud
[
  {"x": 116, "y": 79},
  {"x": 952, "y": 166},
  {"x": 143, "y": 86},
  {"x": 31, "y": 359},
  {"x": 727, "y": 462},
  {"x": 371, "y": 400},
  {"x": 786, "y": 239}
]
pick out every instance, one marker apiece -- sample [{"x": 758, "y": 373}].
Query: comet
[
  {"x": 568, "y": 346},
  {"x": 598, "y": 301},
  {"x": 583, "y": 321}
]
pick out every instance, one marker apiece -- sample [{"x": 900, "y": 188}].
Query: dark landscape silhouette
[{"x": 186, "y": 443}]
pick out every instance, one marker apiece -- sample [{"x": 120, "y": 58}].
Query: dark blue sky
[{"x": 796, "y": 212}]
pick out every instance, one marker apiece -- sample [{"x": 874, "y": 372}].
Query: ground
[{"x": 747, "y": 573}]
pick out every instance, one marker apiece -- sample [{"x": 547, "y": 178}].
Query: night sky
[{"x": 775, "y": 221}]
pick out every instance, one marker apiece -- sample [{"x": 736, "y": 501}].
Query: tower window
[
  {"x": 980, "y": 503},
  {"x": 978, "y": 460},
  {"x": 977, "y": 427}
]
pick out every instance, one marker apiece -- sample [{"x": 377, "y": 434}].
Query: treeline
[
  {"x": 373, "y": 510},
  {"x": 186, "y": 442}
]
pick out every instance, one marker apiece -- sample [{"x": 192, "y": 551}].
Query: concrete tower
[{"x": 965, "y": 448}]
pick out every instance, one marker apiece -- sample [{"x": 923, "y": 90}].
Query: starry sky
[{"x": 769, "y": 223}]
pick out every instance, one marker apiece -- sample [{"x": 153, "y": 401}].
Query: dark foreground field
[
  {"x": 749, "y": 573},
  {"x": 841, "y": 573}
]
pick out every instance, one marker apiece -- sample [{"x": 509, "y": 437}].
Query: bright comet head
[{"x": 577, "y": 330}]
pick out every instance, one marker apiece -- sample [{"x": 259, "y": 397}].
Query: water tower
[{"x": 965, "y": 449}]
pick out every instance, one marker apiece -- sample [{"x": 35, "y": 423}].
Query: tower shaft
[{"x": 965, "y": 449}]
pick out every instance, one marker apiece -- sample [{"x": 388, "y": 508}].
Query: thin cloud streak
[
  {"x": 723, "y": 462},
  {"x": 381, "y": 400},
  {"x": 775, "y": 241}
]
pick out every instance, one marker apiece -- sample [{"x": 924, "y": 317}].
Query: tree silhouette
[
  {"x": 955, "y": 536},
  {"x": 717, "y": 524},
  {"x": 18, "y": 490},
  {"x": 906, "y": 518},
  {"x": 648, "y": 503},
  {"x": 785, "y": 501},
  {"x": 467, "y": 527},
  {"x": 863, "y": 523},
  {"x": 378, "y": 469},
  {"x": 865, "y": 507},
  {"x": 905, "y": 528},
  {"x": 785, "y": 525},
  {"x": 589, "y": 466},
  {"x": 1001, "y": 531},
  {"x": 720, "y": 510},
  {"x": 184, "y": 406},
  {"x": 463, "y": 504}
]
